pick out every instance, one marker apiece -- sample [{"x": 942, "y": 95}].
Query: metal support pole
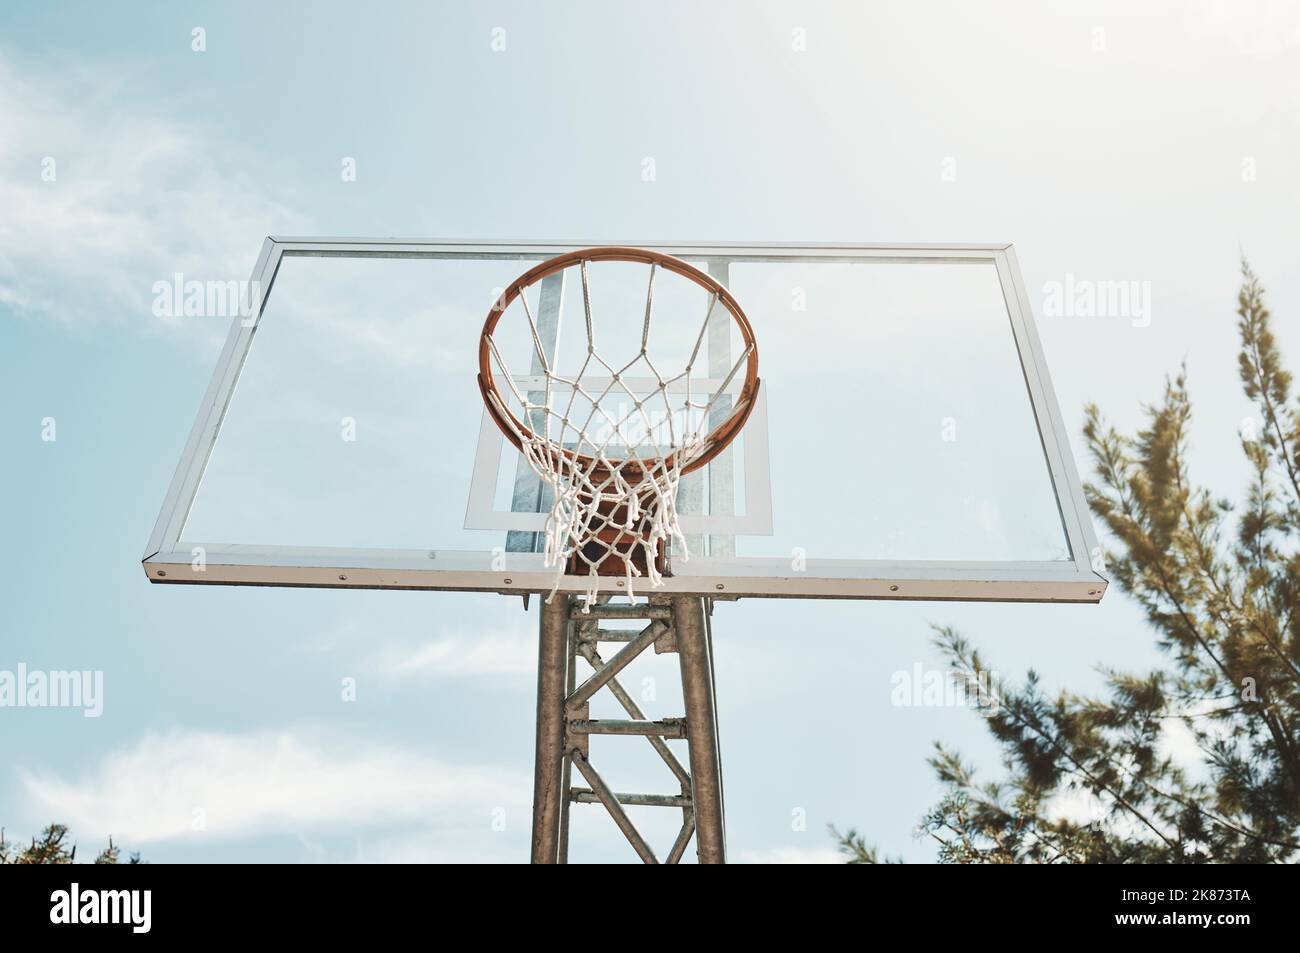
[
  {"x": 570, "y": 681},
  {"x": 675, "y": 625},
  {"x": 702, "y": 727},
  {"x": 552, "y": 667}
]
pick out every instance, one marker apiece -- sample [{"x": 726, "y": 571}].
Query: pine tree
[
  {"x": 51, "y": 848},
  {"x": 1219, "y": 587}
]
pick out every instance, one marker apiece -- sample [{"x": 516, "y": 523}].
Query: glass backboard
[{"x": 906, "y": 443}]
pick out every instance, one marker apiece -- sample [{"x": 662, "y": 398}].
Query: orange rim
[{"x": 714, "y": 442}]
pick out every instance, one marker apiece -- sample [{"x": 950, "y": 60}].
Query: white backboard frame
[{"x": 170, "y": 558}]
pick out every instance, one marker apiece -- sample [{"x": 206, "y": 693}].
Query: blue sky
[{"x": 1137, "y": 142}]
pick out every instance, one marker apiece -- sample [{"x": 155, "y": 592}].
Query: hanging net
[{"x": 612, "y": 438}]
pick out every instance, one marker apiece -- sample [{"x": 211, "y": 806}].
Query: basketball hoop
[{"x": 615, "y": 514}]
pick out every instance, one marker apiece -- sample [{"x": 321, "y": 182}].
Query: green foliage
[
  {"x": 857, "y": 850},
  {"x": 52, "y": 848},
  {"x": 1219, "y": 586}
]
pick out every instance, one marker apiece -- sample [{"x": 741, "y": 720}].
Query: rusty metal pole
[
  {"x": 552, "y": 669},
  {"x": 695, "y": 656},
  {"x": 566, "y": 781}
]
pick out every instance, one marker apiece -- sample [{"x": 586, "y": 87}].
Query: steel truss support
[{"x": 672, "y": 624}]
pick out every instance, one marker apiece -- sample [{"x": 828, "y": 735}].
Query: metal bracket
[
  {"x": 577, "y": 740},
  {"x": 666, "y": 644}
]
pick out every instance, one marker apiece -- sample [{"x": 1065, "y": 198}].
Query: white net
[{"x": 612, "y": 444}]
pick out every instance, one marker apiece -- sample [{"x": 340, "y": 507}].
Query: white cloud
[
  {"x": 500, "y": 653},
  {"x": 271, "y": 781},
  {"x": 1178, "y": 742},
  {"x": 1261, "y": 29},
  {"x": 138, "y": 195}
]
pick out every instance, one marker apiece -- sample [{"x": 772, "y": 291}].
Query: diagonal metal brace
[
  {"x": 634, "y": 711},
  {"x": 620, "y": 661},
  {"x": 607, "y": 798}
]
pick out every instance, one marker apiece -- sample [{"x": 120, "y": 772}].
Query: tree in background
[
  {"x": 1219, "y": 586},
  {"x": 51, "y": 848}
]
